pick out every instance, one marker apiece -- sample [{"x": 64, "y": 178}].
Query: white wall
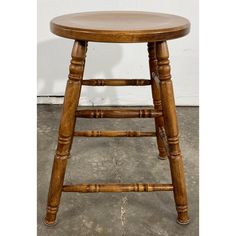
[{"x": 116, "y": 60}]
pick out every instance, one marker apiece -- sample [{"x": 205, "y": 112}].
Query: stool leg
[
  {"x": 170, "y": 118},
  {"x": 159, "y": 121},
  {"x": 66, "y": 129}
]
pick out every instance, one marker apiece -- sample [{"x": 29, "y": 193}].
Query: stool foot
[
  {"x": 162, "y": 157},
  {"x": 183, "y": 218},
  {"x": 50, "y": 218},
  {"x": 49, "y": 223}
]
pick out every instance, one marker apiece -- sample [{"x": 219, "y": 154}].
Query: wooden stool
[{"x": 121, "y": 27}]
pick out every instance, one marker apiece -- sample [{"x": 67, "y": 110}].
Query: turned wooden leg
[
  {"x": 171, "y": 126},
  {"x": 159, "y": 121},
  {"x": 66, "y": 129}
]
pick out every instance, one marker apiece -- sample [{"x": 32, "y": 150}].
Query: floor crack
[
  {"x": 124, "y": 202},
  {"x": 124, "y": 199}
]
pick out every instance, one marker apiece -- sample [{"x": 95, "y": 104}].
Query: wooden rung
[
  {"x": 94, "y": 188},
  {"x": 118, "y": 113},
  {"x": 113, "y": 133},
  {"x": 116, "y": 82}
]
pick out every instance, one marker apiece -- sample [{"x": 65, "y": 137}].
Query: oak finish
[
  {"x": 159, "y": 121},
  {"x": 117, "y": 82},
  {"x": 95, "y": 188},
  {"x": 118, "y": 113},
  {"x": 114, "y": 133},
  {"x": 66, "y": 129},
  {"x": 120, "y": 26},
  {"x": 155, "y": 29},
  {"x": 171, "y": 127}
]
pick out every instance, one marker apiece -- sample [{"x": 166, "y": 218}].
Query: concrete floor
[{"x": 103, "y": 160}]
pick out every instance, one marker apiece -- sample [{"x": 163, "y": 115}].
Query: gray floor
[{"x": 103, "y": 160}]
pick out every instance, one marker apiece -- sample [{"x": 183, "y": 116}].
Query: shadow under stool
[{"x": 121, "y": 27}]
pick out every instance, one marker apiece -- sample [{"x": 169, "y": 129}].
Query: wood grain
[
  {"x": 118, "y": 113},
  {"x": 66, "y": 129},
  {"x": 156, "y": 97},
  {"x": 171, "y": 127},
  {"x": 113, "y": 133},
  {"x": 95, "y": 188},
  {"x": 120, "y": 26},
  {"x": 116, "y": 82}
]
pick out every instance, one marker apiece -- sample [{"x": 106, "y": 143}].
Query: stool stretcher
[{"x": 94, "y": 188}]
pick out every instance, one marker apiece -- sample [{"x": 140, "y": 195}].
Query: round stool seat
[{"x": 120, "y": 26}]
